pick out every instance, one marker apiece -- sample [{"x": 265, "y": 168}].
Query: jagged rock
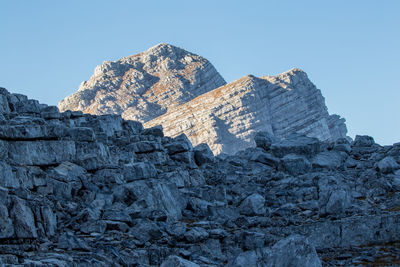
[
  {"x": 175, "y": 261},
  {"x": 23, "y": 219},
  {"x": 387, "y": 165},
  {"x": 138, "y": 170},
  {"x": 196, "y": 234},
  {"x": 264, "y": 140},
  {"x": 230, "y": 115},
  {"x": 329, "y": 159},
  {"x": 265, "y": 158},
  {"x": 253, "y": 205},
  {"x": 296, "y": 144},
  {"x": 169, "y": 86},
  {"x": 363, "y": 141},
  {"x": 128, "y": 196},
  {"x": 6, "y": 224},
  {"x": 203, "y": 154},
  {"x": 295, "y": 164},
  {"x": 143, "y": 86},
  {"x": 41, "y": 152},
  {"x": 293, "y": 251}
]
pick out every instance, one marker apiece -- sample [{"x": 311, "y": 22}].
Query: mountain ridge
[{"x": 155, "y": 86}]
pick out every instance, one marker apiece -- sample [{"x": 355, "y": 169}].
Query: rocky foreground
[{"x": 85, "y": 190}]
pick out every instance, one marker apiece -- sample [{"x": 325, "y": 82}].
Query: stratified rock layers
[
  {"x": 143, "y": 86},
  {"x": 185, "y": 94},
  {"x": 228, "y": 117}
]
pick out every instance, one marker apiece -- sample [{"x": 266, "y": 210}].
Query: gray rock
[
  {"x": 203, "y": 154},
  {"x": 41, "y": 152},
  {"x": 296, "y": 144},
  {"x": 7, "y": 177},
  {"x": 329, "y": 159},
  {"x": 387, "y": 165},
  {"x": 23, "y": 219},
  {"x": 253, "y": 205},
  {"x": 138, "y": 170},
  {"x": 6, "y": 224},
  {"x": 196, "y": 234},
  {"x": 363, "y": 141},
  {"x": 265, "y": 158},
  {"x": 264, "y": 140},
  {"x": 180, "y": 144},
  {"x": 175, "y": 261},
  {"x": 293, "y": 251},
  {"x": 295, "y": 164}
]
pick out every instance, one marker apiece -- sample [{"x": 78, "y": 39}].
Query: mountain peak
[{"x": 143, "y": 86}]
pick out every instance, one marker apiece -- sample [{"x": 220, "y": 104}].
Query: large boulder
[{"x": 293, "y": 251}]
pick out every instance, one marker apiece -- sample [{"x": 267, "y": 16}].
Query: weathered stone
[
  {"x": 264, "y": 140},
  {"x": 181, "y": 144},
  {"x": 293, "y": 251},
  {"x": 295, "y": 164},
  {"x": 203, "y": 154},
  {"x": 253, "y": 205},
  {"x": 81, "y": 134},
  {"x": 196, "y": 234},
  {"x": 23, "y": 219},
  {"x": 6, "y": 224},
  {"x": 282, "y": 105},
  {"x": 41, "y": 152},
  {"x": 363, "y": 141},
  {"x": 387, "y": 165},
  {"x": 7, "y": 177},
  {"x": 175, "y": 261},
  {"x": 328, "y": 159},
  {"x": 138, "y": 170},
  {"x": 265, "y": 158}
]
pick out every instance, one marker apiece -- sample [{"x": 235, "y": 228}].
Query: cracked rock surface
[{"x": 96, "y": 190}]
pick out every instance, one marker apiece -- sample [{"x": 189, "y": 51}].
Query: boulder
[
  {"x": 175, "y": 261},
  {"x": 253, "y": 205},
  {"x": 294, "y": 250},
  {"x": 387, "y": 165},
  {"x": 295, "y": 164}
]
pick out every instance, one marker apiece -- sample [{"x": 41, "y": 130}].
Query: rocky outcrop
[
  {"x": 144, "y": 86},
  {"x": 228, "y": 117},
  {"x": 184, "y": 93},
  {"x": 86, "y": 190}
]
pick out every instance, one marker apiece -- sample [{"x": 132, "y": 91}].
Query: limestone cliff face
[
  {"x": 144, "y": 86},
  {"x": 185, "y": 94},
  {"x": 228, "y": 117}
]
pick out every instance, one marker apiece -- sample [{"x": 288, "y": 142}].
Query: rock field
[{"x": 96, "y": 190}]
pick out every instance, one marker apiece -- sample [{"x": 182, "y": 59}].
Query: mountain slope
[
  {"x": 143, "y": 86},
  {"x": 227, "y": 117}
]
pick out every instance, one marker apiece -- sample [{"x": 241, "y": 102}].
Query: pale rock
[
  {"x": 228, "y": 117},
  {"x": 144, "y": 86}
]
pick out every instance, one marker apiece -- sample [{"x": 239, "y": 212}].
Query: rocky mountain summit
[
  {"x": 87, "y": 190},
  {"x": 228, "y": 117},
  {"x": 185, "y": 94},
  {"x": 144, "y": 86}
]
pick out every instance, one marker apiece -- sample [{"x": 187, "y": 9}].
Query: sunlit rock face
[
  {"x": 144, "y": 86},
  {"x": 228, "y": 117},
  {"x": 184, "y": 93}
]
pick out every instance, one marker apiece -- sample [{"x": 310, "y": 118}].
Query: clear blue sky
[{"x": 350, "y": 49}]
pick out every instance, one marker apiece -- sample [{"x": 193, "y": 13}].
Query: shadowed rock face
[
  {"x": 143, "y": 86},
  {"x": 86, "y": 190},
  {"x": 228, "y": 117}
]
